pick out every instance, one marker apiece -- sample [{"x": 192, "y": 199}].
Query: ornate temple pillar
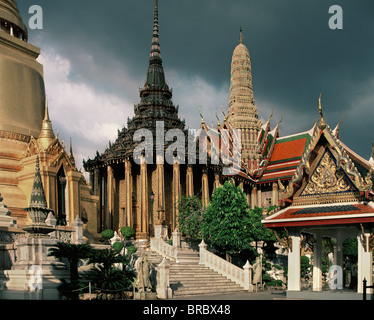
[
  {"x": 205, "y": 187},
  {"x": 294, "y": 283},
  {"x": 144, "y": 197},
  {"x": 248, "y": 195},
  {"x": 128, "y": 194},
  {"x": 259, "y": 198},
  {"x": 110, "y": 193},
  {"x": 241, "y": 185},
  {"x": 254, "y": 198},
  {"x": 217, "y": 182},
  {"x": 96, "y": 183},
  {"x": 73, "y": 178},
  {"x": 160, "y": 199},
  {"x": 274, "y": 198},
  {"x": 189, "y": 181},
  {"x": 176, "y": 192}
]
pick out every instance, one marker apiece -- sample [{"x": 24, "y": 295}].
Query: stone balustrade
[
  {"x": 243, "y": 277},
  {"x": 165, "y": 249}
]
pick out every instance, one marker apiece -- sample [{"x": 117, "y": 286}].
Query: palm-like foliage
[
  {"x": 110, "y": 279},
  {"x": 73, "y": 253},
  {"x": 107, "y": 257},
  {"x": 106, "y": 277}
]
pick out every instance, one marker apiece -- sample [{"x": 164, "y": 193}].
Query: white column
[
  {"x": 317, "y": 264},
  {"x": 294, "y": 283},
  {"x": 364, "y": 264}
]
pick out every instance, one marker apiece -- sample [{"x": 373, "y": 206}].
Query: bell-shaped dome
[
  {"x": 21, "y": 78},
  {"x": 9, "y": 14}
]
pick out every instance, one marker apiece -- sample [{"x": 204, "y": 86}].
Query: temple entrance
[{"x": 61, "y": 197}]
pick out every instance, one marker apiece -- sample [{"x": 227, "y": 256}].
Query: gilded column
[
  {"x": 110, "y": 182},
  {"x": 176, "y": 192},
  {"x": 241, "y": 185},
  {"x": 144, "y": 197},
  {"x": 205, "y": 187},
  {"x": 275, "y": 194},
  {"x": 160, "y": 192},
  {"x": 259, "y": 198},
  {"x": 254, "y": 198},
  {"x": 189, "y": 182},
  {"x": 96, "y": 180},
  {"x": 73, "y": 178},
  {"x": 217, "y": 182},
  {"x": 128, "y": 194}
]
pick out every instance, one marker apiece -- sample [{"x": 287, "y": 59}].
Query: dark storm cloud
[{"x": 295, "y": 56}]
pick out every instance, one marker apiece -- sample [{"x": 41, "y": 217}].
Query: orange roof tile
[{"x": 288, "y": 149}]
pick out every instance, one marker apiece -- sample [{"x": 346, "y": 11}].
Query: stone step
[
  {"x": 189, "y": 278},
  {"x": 180, "y": 291},
  {"x": 197, "y": 283}
]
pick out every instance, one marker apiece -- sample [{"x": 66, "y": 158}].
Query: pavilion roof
[{"x": 324, "y": 214}]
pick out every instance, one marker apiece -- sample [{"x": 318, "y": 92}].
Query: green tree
[
  {"x": 227, "y": 223},
  {"x": 190, "y": 217}
]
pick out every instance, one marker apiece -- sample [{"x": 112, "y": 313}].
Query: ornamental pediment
[{"x": 328, "y": 178}]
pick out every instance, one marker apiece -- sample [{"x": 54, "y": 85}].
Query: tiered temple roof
[{"x": 155, "y": 105}]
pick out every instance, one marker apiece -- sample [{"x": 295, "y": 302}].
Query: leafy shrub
[
  {"x": 304, "y": 266},
  {"x": 274, "y": 283},
  {"x": 107, "y": 234},
  {"x": 118, "y": 246},
  {"x": 277, "y": 266},
  {"x": 131, "y": 250},
  {"x": 127, "y": 232}
]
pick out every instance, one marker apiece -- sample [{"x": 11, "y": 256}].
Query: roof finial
[
  {"x": 224, "y": 115},
  {"x": 156, "y": 6},
  {"x": 46, "y": 111},
  {"x": 71, "y": 148},
  {"x": 241, "y": 35},
  {"x": 202, "y": 118},
  {"x": 322, "y": 124}
]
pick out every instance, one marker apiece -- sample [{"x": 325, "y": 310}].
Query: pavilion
[{"x": 330, "y": 195}]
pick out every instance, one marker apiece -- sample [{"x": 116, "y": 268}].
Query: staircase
[{"x": 188, "y": 278}]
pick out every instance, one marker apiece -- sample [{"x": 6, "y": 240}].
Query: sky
[{"x": 95, "y": 57}]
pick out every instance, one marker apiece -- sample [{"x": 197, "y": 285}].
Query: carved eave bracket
[
  {"x": 367, "y": 241},
  {"x": 286, "y": 241}
]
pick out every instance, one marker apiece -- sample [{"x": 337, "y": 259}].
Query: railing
[
  {"x": 165, "y": 249},
  {"x": 242, "y": 277},
  {"x": 365, "y": 287}
]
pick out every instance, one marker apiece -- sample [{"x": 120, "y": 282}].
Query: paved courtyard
[{"x": 263, "y": 295}]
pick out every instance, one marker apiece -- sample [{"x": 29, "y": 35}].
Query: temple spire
[
  {"x": 155, "y": 49},
  {"x": 37, "y": 199},
  {"x": 155, "y": 74},
  {"x": 242, "y": 112},
  {"x": 46, "y": 135}
]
